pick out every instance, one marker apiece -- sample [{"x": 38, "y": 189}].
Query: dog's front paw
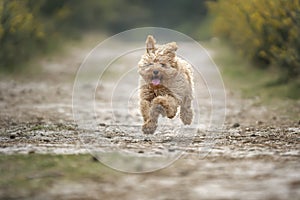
[
  {"x": 186, "y": 116},
  {"x": 149, "y": 127},
  {"x": 171, "y": 112},
  {"x": 157, "y": 110}
]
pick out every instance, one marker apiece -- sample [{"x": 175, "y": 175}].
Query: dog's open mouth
[{"x": 155, "y": 81}]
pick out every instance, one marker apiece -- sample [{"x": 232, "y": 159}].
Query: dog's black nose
[{"x": 155, "y": 72}]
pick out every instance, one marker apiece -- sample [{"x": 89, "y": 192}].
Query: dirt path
[{"x": 254, "y": 156}]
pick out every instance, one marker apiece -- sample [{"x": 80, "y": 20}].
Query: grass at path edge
[{"x": 32, "y": 173}]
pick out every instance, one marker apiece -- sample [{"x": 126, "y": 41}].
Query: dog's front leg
[
  {"x": 165, "y": 105},
  {"x": 145, "y": 109},
  {"x": 150, "y": 118},
  {"x": 150, "y": 125},
  {"x": 162, "y": 105}
]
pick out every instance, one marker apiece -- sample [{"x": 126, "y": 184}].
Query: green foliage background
[
  {"x": 266, "y": 32},
  {"x": 29, "y": 27}
]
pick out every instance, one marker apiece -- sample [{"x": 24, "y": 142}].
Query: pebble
[
  {"x": 167, "y": 139},
  {"x": 31, "y": 151},
  {"x": 102, "y": 124},
  {"x": 94, "y": 159},
  {"x": 12, "y": 136},
  {"x": 46, "y": 140},
  {"x": 235, "y": 125},
  {"x": 14, "y": 123},
  {"x": 259, "y": 122}
]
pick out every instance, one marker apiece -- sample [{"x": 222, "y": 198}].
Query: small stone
[
  {"x": 102, "y": 124},
  {"x": 259, "y": 122},
  {"x": 94, "y": 159},
  {"x": 252, "y": 129},
  {"x": 12, "y": 136},
  {"x": 140, "y": 151},
  {"x": 46, "y": 140},
  {"x": 235, "y": 125},
  {"x": 200, "y": 131},
  {"x": 14, "y": 123},
  {"x": 167, "y": 139},
  {"x": 31, "y": 151},
  {"x": 40, "y": 119},
  {"x": 247, "y": 129}
]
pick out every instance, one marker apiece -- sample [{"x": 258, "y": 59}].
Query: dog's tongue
[{"x": 155, "y": 81}]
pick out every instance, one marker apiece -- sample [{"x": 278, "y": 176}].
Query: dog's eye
[
  {"x": 163, "y": 64},
  {"x": 148, "y": 65}
]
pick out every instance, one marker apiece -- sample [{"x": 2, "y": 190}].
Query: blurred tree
[
  {"x": 180, "y": 15},
  {"x": 18, "y": 25},
  {"x": 29, "y": 26},
  {"x": 265, "y": 31}
]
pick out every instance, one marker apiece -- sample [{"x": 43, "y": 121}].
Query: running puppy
[{"x": 166, "y": 83}]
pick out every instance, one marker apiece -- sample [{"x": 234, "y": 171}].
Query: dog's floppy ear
[
  {"x": 150, "y": 44},
  {"x": 170, "y": 49}
]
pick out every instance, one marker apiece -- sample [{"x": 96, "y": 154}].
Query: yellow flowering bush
[
  {"x": 20, "y": 31},
  {"x": 265, "y": 31},
  {"x": 28, "y": 27}
]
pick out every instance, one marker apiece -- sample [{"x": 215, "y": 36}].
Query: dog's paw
[
  {"x": 157, "y": 110},
  {"x": 149, "y": 127},
  {"x": 186, "y": 116},
  {"x": 171, "y": 112}
]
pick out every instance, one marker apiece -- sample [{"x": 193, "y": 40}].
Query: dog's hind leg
[{"x": 186, "y": 112}]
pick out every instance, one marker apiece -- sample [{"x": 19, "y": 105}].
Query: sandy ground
[{"x": 254, "y": 155}]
